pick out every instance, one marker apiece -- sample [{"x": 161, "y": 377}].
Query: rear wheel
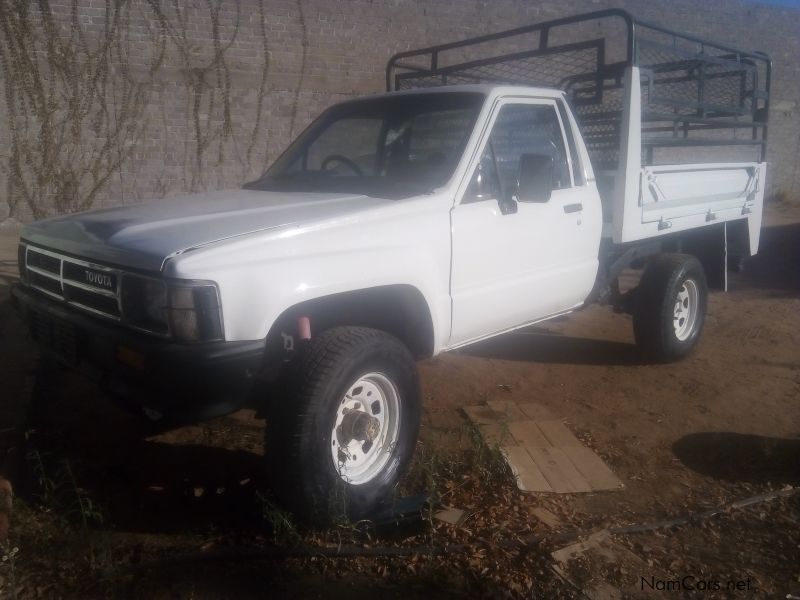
[
  {"x": 340, "y": 436},
  {"x": 670, "y": 308}
]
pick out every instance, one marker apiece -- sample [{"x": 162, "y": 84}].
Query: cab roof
[{"x": 487, "y": 89}]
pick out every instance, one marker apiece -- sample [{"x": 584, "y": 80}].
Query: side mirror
[{"x": 535, "y": 178}]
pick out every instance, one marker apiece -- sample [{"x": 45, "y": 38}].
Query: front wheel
[
  {"x": 340, "y": 436},
  {"x": 670, "y": 306}
]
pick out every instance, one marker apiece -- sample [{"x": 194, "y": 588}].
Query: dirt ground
[{"x": 107, "y": 508}]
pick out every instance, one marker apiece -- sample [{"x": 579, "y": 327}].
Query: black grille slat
[
  {"x": 43, "y": 282},
  {"x": 44, "y": 262},
  {"x": 85, "y": 298}
]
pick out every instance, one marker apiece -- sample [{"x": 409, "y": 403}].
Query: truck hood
[{"x": 143, "y": 236}]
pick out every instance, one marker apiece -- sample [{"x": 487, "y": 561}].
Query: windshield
[{"x": 388, "y": 147}]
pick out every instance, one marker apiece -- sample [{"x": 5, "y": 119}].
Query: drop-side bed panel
[
  {"x": 652, "y": 200},
  {"x": 672, "y": 198},
  {"x": 674, "y": 191}
]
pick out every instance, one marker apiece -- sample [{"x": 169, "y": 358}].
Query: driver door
[{"x": 517, "y": 262}]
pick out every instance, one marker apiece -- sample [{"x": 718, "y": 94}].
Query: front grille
[{"x": 85, "y": 285}]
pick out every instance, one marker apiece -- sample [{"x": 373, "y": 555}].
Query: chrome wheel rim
[
  {"x": 366, "y": 428},
  {"x": 684, "y": 316}
]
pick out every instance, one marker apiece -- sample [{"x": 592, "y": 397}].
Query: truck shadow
[
  {"x": 531, "y": 346},
  {"x": 741, "y": 457},
  {"x": 775, "y": 267},
  {"x": 144, "y": 478},
  {"x": 150, "y": 486},
  {"x": 177, "y": 488}
]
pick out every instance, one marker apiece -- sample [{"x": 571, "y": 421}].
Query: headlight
[
  {"x": 188, "y": 311},
  {"x": 194, "y": 312},
  {"x": 144, "y": 303}
]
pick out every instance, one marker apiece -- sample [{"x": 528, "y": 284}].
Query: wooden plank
[
  {"x": 452, "y": 516},
  {"x": 601, "y": 551},
  {"x": 509, "y": 410},
  {"x": 558, "y": 434},
  {"x": 545, "y": 516},
  {"x": 592, "y": 467},
  {"x": 543, "y": 453},
  {"x": 527, "y": 433},
  {"x": 537, "y": 412},
  {"x": 528, "y": 475},
  {"x": 558, "y": 469},
  {"x": 572, "y": 551}
]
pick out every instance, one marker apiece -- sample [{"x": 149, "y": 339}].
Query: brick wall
[{"x": 320, "y": 52}]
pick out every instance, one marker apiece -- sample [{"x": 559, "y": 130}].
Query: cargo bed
[{"x": 676, "y": 126}]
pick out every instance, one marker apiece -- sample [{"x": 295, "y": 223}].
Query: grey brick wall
[{"x": 320, "y": 52}]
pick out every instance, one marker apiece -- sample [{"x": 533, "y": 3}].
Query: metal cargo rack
[{"x": 694, "y": 92}]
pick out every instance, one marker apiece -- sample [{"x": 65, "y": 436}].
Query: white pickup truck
[{"x": 406, "y": 224}]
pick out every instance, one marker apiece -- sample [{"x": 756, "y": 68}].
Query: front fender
[{"x": 262, "y": 275}]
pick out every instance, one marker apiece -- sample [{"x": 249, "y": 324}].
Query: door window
[{"x": 520, "y": 129}]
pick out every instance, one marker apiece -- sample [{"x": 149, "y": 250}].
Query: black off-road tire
[
  {"x": 656, "y": 328},
  {"x": 299, "y": 434}
]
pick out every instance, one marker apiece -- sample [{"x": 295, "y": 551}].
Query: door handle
[{"x": 571, "y": 208}]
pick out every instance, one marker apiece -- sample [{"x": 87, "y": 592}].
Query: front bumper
[{"x": 163, "y": 379}]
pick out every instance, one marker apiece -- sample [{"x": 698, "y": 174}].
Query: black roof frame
[{"x": 703, "y": 115}]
